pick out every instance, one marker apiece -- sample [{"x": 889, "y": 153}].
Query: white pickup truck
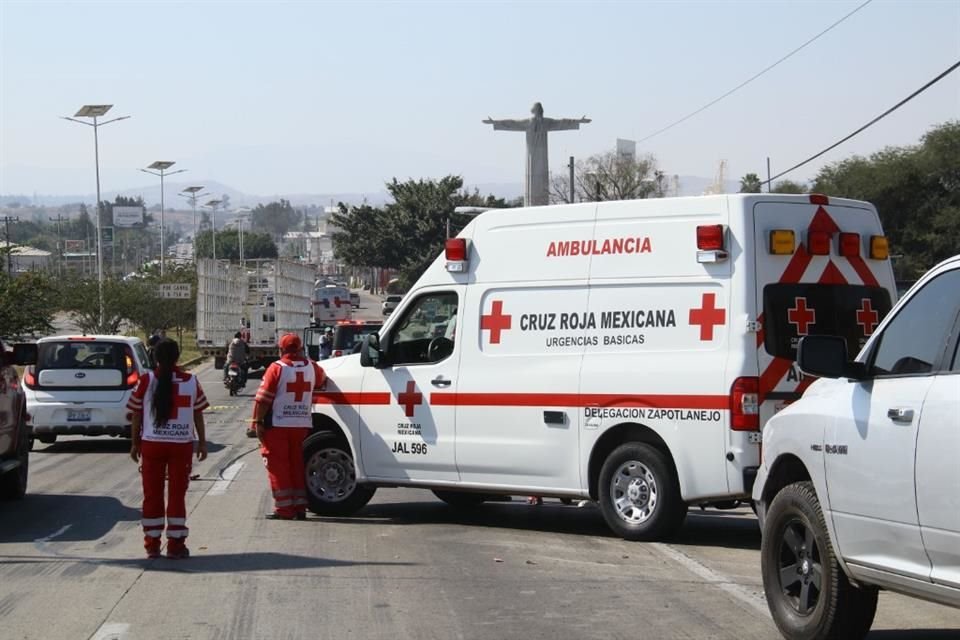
[{"x": 859, "y": 487}]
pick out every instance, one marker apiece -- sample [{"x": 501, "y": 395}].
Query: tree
[
  {"x": 751, "y": 183},
  {"x": 789, "y": 186},
  {"x": 408, "y": 233},
  {"x": 27, "y": 303},
  {"x": 916, "y": 191},
  {"x": 276, "y": 218},
  {"x": 255, "y": 245},
  {"x": 610, "y": 176}
]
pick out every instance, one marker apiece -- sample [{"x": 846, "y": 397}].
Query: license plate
[{"x": 78, "y": 415}]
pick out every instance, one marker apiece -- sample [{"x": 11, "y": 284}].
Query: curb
[{"x": 193, "y": 362}]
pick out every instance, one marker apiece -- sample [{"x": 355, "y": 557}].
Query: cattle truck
[{"x": 261, "y": 299}]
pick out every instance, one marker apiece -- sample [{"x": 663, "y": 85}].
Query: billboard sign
[
  {"x": 127, "y": 216},
  {"x": 74, "y": 246}
]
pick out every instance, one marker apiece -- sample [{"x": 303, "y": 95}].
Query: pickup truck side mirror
[
  {"x": 370, "y": 353},
  {"x": 826, "y": 357}
]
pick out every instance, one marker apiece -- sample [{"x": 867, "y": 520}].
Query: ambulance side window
[{"x": 424, "y": 334}]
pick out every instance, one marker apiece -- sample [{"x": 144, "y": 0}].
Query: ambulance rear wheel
[
  {"x": 460, "y": 499},
  {"x": 331, "y": 477},
  {"x": 639, "y": 493}
]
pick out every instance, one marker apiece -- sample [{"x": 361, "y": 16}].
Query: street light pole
[
  {"x": 213, "y": 204},
  {"x": 160, "y": 169},
  {"x": 193, "y": 194},
  {"x": 95, "y": 111}
]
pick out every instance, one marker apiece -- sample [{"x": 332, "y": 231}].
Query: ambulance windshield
[{"x": 791, "y": 311}]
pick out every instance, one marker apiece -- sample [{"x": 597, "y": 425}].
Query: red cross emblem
[
  {"x": 495, "y": 322},
  {"x": 410, "y": 399},
  {"x": 180, "y": 401},
  {"x": 708, "y": 316},
  {"x": 299, "y": 387},
  {"x": 336, "y": 301},
  {"x": 801, "y": 317},
  {"x": 867, "y": 316}
]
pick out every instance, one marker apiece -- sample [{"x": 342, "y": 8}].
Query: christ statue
[{"x": 536, "y": 188}]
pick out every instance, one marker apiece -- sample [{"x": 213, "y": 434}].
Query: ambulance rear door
[{"x": 815, "y": 276}]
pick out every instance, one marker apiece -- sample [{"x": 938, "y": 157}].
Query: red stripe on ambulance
[{"x": 671, "y": 401}]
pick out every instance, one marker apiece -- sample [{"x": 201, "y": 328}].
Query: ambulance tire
[
  {"x": 639, "y": 493},
  {"x": 460, "y": 499},
  {"x": 332, "y": 488}
]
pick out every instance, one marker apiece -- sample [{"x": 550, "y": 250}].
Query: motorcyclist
[{"x": 237, "y": 351}]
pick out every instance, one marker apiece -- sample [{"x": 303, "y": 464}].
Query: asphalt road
[{"x": 72, "y": 565}]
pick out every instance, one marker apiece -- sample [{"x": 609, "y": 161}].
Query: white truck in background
[{"x": 262, "y": 299}]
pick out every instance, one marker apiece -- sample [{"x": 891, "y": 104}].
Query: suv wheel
[
  {"x": 332, "y": 488},
  {"x": 13, "y": 485},
  {"x": 809, "y": 595},
  {"x": 639, "y": 493}
]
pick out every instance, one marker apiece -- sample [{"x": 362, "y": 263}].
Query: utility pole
[
  {"x": 59, "y": 219},
  {"x": 768, "y": 175},
  {"x": 6, "y": 221},
  {"x": 572, "y": 189}
]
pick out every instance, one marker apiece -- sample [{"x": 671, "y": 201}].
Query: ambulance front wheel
[
  {"x": 639, "y": 493},
  {"x": 331, "y": 477}
]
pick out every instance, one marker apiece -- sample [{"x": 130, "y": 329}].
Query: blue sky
[{"x": 294, "y": 97}]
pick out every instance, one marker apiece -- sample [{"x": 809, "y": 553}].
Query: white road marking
[
  {"x": 59, "y": 532},
  {"x": 226, "y": 477},
  {"x": 754, "y": 600},
  {"x": 41, "y": 543},
  {"x": 111, "y": 631}
]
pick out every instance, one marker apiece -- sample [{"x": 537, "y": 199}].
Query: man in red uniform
[
  {"x": 167, "y": 406},
  {"x": 286, "y": 394}
]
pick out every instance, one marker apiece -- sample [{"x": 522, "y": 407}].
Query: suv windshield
[{"x": 792, "y": 311}]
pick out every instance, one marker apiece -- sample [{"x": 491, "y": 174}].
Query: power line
[
  {"x": 755, "y": 76},
  {"x": 883, "y": 115}
]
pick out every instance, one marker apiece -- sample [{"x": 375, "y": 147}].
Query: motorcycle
[{"x": 233, "y": 381}]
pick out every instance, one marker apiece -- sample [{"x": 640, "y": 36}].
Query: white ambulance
[
  {"x": 330, "y": 304},
  {"x": 626, "y": 352}
]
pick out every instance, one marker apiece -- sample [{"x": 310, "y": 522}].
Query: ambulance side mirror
[
  {"x": 826, "y": 357},
  {"x": 370, "y": 353}
]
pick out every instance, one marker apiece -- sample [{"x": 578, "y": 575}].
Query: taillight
[
  {"x": 132, "y": 379},
  {"x": 745, "y": 404},
  {"x": 818, "y": 243},
  {"x": 29, "y": 378},
  {"x": 850, "y": 245},
  {"x": 132, "y": 376},
  {"x": 337, "y": 353}
]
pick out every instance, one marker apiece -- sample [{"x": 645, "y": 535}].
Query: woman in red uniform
[{"x": 167, "y": 407}]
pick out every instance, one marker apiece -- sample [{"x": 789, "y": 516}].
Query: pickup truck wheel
[
  {"x": 460, "y": 499},
  {"x": 639, "y": 493},
  {"x": 331, "y": 477},
  {"x": 809, "y": 595},
  {"x": 13, "y": 485}
]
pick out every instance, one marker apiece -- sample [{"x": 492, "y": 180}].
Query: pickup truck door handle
[
  {"x": 900, "y": 414},
  {"x": 440, "y": 381}
]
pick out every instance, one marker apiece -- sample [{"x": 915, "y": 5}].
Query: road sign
[
  {"x": 107, "y": 235},
  {"x": 177, "y": 290}
]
